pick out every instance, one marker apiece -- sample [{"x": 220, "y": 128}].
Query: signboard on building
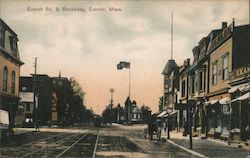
[{"x": 4, "y": 117}]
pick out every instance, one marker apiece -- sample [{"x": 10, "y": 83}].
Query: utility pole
[
  {"x": 190, "y": 111},
  {"x": 111, "y": 90},
  {"x": 35, "y": 112}
]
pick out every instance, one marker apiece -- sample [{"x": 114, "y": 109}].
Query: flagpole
[
  {"x": 129, "y": 83},
  {"x": 129, "y": 87}
]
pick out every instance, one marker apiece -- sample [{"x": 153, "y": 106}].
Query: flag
[{"x": 123, "y": 64}]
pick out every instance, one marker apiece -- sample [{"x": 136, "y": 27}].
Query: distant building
[
  {"x": 136, "y": 114},
  {"x": 184, "y": 89},
  {"x": 130, "y": 113},
  {"x": 170, "y": 92},
  {"x": 26, "y": 95},
  {"x": 10, "y": 64},
  {"x": 53, "y": 99},
  {"x": 41, "y": 110}
]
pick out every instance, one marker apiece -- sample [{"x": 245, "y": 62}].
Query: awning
[
  {"x": 225, "y": 100},
  {"x": 162, "y": 113},
  {"x": 245, "y": 88},
  {"x": 244, "y": 97},
  {"x": 170, "y": 114},
  {"x": 212, "y": 102},
  {"x": 242, "y": 88}
]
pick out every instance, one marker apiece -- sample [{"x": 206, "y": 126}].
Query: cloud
[{"x": 88, "y": 46}]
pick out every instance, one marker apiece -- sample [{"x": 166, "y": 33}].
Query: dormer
[{"x": 196, "y": 52}]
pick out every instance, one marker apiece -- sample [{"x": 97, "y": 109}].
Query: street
[{"x": 111, "y": 141}]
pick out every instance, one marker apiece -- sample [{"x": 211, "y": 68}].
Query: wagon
[{"x": 152, "y": 130}]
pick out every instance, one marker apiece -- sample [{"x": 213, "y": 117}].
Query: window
[
  {"x": 13, "y": 80},
  {"x": 28, "y": 107},
  {"x": 1, "y": 37},
  {"x": 5, "y": 79},
  {"x": 201, "y": 81},
  {"x": 183, "y": 88},
  {"x": 214, "y": 73},
  {"x": 225, "y": 67},
  {"x": 192, "y": 84}
]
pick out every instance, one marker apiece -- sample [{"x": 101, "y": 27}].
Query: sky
[{"x": 87, "y": 44}]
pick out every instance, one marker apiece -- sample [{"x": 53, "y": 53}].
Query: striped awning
[
  {"x": 243, "y": 88},
  {"x": 162, "y": 113}
]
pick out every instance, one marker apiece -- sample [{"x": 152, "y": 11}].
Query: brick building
[{"x": 10, "y": 64}]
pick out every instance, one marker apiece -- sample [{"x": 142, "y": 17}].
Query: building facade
[
  {"x": 10, "y": 64},
  {"x": 40, "y": 111},
  {"x": 229, "y": 50},
  {"x": 218, "y": 84},
  {"x": 184, "y": 93}
]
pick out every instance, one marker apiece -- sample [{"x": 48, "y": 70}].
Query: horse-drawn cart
[{"x": 152, "y": 130}]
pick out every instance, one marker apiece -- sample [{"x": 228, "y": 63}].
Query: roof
[
  {"x": 127, "y": 102},
  {"x": 136, "y": 110},
  {"x": 170, "y": 66}
]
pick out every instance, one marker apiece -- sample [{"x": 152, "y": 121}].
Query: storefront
[
  {"x": 218, "y": 117},
  {"x": 240, "y": 117}
]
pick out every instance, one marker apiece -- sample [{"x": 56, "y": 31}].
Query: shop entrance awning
[
  {"x": 225, "y": 100},
  {"x": 211, "y": 102},
  {"x": 162, "y": 114},
  {"x": 243, "y": 88},
  {"x": 170, "y": 114},
  {"x": 245, "y": 96}
]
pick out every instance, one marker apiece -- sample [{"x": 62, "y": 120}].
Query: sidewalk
[
  {"x": 206, "y": 147},
  {"x": 18, "y": 131}
]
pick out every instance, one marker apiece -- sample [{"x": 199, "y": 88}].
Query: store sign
[
  {"x": 4, "y": 117},
  {"x": 241, "y": 72}
]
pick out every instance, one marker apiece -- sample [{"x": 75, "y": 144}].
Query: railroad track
[{"x": 82, "y": 144}]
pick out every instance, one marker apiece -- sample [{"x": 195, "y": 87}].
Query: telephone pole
[{"x": 35, "y": 112}]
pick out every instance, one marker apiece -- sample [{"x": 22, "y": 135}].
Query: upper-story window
[
  {"x": 225, "y": 67},
  {"x": 13, "y": 43},
  {"x": 5, "y": 79},
  {"x": 201, "y": 80},
  {"x": 13, "y": 80},
  {"x": 28, "y": 109},
  {"x": 183, "y": 88},
  {"x": 1, "y": 37},
  {"x": 192, "y": 84},
  {"x": 214, "y": 73}
]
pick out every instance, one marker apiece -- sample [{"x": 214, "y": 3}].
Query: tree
[
  {"x": 76, "y": 88},
  {"x": 77, "y": 108}
]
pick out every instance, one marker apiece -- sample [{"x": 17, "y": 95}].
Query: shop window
[{"x": 28, "y": 107}]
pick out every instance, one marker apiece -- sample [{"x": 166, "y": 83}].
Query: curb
[{"x": 187, "y": 150}]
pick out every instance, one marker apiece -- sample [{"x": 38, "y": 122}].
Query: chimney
[
  {"x": 188, "y": 61},
  {"x": 224, "y": 25}
]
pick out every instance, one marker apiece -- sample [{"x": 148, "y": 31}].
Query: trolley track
[
  {"x": 83, "y": 147},
  {"x": 81, "y": 144}
]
